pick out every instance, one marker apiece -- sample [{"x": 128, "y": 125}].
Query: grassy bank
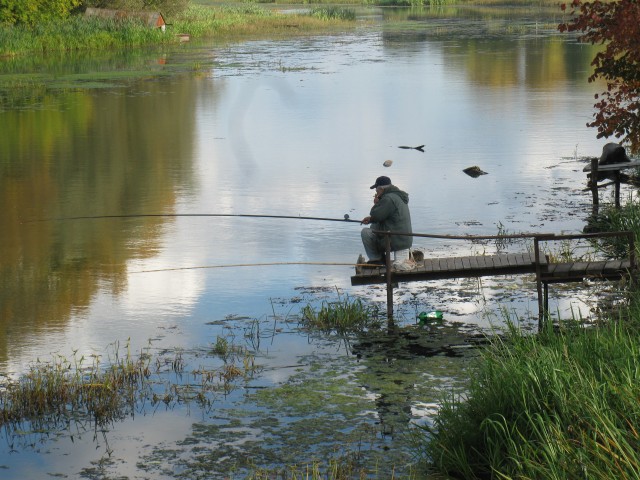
[
  {"x": 81, "y": 34},
  {"x": 561, "y": 404},
  {"x": 558, "y": 405}
]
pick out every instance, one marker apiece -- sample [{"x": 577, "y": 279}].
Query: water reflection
[
  {"x": 121, "y": 151},
  {"x": 398, "y": 363},
  {"x": 282, "y": 127}
]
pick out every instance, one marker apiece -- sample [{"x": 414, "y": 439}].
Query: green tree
[
  {"x": 166, "y": 7},
  {"x": 32, "y": 12},
  {"x": 616, "y": 25}
]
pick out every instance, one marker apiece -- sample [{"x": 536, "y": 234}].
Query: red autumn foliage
[{"x": 615, "y": 25}]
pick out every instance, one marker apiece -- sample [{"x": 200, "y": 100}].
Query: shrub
[{"x": 32, "y": 12}]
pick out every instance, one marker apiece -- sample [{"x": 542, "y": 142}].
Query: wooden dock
[
  {"x": 496, "y": 265},
  {"x": 614, "y": 171},
  {"x": 451, "y": 267},
  {"x": 535, "y": 262}
]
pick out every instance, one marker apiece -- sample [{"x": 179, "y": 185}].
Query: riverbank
[
  {"x": 78, "y": 33},
  {"x": 560, "y": 404}
]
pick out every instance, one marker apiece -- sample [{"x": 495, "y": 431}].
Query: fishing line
[
  {"x": 244, "y": 265},
  {"x": 173, "y": 215}
]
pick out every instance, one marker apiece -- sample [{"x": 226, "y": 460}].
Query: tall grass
[
  {"x": 559, "y": 405},
  {"x": 611, "y": 219},
  {"x": 97, "y": 391},
  {"x": 76, "y": 387},
  {"x": 76, "y": 33},
  {"x": 80, "y": 33},
  {"x": 331, "y": 13},
  {"x": 342, "y": 316}
]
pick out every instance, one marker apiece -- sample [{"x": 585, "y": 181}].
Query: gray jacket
[{"x": 391, "y": 213}]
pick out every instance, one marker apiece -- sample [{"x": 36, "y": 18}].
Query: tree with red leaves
[{"x": 616, "y": 25}]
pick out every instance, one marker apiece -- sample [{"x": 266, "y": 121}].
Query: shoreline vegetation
[
  {"x": 204, "y": 19},
  {"x": 77, "y": 33},
  {"x": 558, "y": 404}
]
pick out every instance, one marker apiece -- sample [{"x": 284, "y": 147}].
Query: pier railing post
[
  {"x": 541, "y": 303},
  {"x": 632, "y": 256},
  {"x": 593, "y": 183},
  {"x": 387, "y": 261}
]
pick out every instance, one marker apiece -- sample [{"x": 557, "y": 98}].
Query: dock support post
[
  {"x": 387, "y": 261},
  {"x": 542, "y": 312},
  {"x": 593, "y": 183},
  {"x": 546, "y": 297}
]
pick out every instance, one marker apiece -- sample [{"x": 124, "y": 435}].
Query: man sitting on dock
[{"x": 390, "y": 212}]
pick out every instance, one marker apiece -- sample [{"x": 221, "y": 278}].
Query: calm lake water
[{"x": 295, "y": 127}]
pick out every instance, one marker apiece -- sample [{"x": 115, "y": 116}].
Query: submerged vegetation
[
  {"x": 342, "y": 316},
  {"x": 96, "y": 391}
]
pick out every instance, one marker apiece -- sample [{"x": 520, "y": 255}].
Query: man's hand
[{"x": 366, "y": 221}]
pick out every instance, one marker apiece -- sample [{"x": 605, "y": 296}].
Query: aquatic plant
[
  {"x": 94, "y": 391},
  {"x": 344, "y": 468},
  {"x": 612, "y": 219},
  {"x": 561, "y": 404},
  {"x": 331, "y": 13},
  {"x": 342, "y": 316}
]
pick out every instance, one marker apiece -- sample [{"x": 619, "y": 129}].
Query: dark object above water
[
  {"x": 474, "y": 171},
  {"x": 613, "y": 153},
  {"x": 420, "y": 148}
]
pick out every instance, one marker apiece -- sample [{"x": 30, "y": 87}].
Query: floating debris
[
  {"x": 474, "y": 171},
  {"x": 419, "y": 148},
  {"x": 388, "y": 163}
]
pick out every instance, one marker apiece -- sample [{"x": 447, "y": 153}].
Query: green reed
[
  {"x": 79, "y": 33},
  {"x": 561, "y": 404},
  {"x": 332, "y": 13},
  {"x": 345, "y": 467},
  {"x": 74, "y": 387},
  {"x": 612, "y": 219},
  {"x": 344, "y": 315},
  {"x": 100, "y": 391}
]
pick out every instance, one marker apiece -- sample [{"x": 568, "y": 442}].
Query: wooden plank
[
  {"x": 457, "y": 263},
  {"x": 527, "y": 258},
  {"x": 484, "y": 262},
  {"x": 504, "y": 260},
  {"x": 562, "y": 269},
  {"x": 612, "y": 266},
  {"x": 613, "y": 166},
  {"x": 466, "y": 263},
  {"x": 579, "y": 268},
  {"x": 595, "y": 268}
]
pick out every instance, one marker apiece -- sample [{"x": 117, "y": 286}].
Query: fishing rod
[{"x": 173, "y": 215}]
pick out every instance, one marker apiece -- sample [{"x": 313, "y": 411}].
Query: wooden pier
[
  {"x": 535, "y": 262},
  {"x": 613, "y": 171}
]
